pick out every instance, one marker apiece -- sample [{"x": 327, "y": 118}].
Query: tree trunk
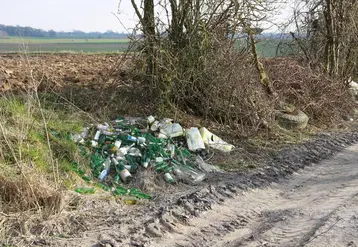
[
  {"x": 264, "y": 79},
  {"x": 331, "y": 45},
  {"x": 149, "y": 34}
]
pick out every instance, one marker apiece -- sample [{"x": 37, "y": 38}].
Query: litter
[
  {"x": 194, "y": 140},
  {"x": 120, "y": 150},
  {"x": 214, "y": 141},
  {"x": 170, "y": 131}
]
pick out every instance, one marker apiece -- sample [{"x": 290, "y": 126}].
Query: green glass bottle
[
  {"x": 80, "y": 171},
  {"x": 85, "y": 190},
  {"x": 120, "y": 191},
  {"x": 161, "y": 167},
  {"x": 86, "y": 178},
  {"x": 104, "y": 187},
  {"x": 132, "y": 163},
  {"x": 116, "y": 179},
  {"x": 145, "y": 160},
  {"x": 139, "y": 194},
  {"x": 122, "y": 171},
  {"x": 75, "y": 166}
]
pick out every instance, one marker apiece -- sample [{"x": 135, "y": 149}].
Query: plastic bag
[{"x": 214, "y": 141}]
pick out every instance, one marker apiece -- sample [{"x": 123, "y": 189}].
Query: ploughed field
[
  {"x": 38, "y": 45},
  {"x": 52, "y": 70}
]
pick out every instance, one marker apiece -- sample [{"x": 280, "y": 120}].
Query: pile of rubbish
[{"x": 118, "y": 150}]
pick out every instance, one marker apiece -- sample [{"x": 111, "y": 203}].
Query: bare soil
[
  {"x": 317, "y": 206},
  {"x": 275, "y": 204},
  {"x": 92, "y": 82},
  {"x": 302, "y": 196},
  {"x": 57, "y": 70}
]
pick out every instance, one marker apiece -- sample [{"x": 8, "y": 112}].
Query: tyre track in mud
[
  {"x": 258, "y": 208},
  {"x": 290, "y": 213}
]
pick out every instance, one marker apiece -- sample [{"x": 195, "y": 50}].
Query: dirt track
[
  {"x": 318, "y": 206},
  {"x": 314, "y": 206}
]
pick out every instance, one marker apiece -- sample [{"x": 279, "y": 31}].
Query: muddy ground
[{"x": 303, "y": 195}]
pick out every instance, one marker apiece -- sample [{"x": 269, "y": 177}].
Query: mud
[
  {"x": 315, "y": 207},
  {"x": 303, "y": 196}
]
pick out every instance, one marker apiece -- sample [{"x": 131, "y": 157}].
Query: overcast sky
[{"x": 68, "y": 15}]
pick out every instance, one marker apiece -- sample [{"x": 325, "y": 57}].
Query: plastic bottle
[
  {"x": 194, "y": 139},
  {"x": 107, "y": 165},
  {"x": 187, "y": 174},
  {"x": 117, "y": 144},
  {"x": 214, "y": 141},
  {"x": 159, "y": 160},
  {"x": 80, "y": 138},
  {"x": 109, "y": 133},
  {"x": 134, "y": 152},
  {"x": 106, "y": 127},
  {"x": 96, "y": 138},
  {"x": 150, "y": 119},
  {"x": 155, "y": 126},
  {"x": 171, "y": 149}
]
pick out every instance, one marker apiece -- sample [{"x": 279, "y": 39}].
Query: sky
[{"x": 68, "y": 15}]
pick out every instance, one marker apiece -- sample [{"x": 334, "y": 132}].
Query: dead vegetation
[
  {"x": 325, "y": 100},
  {"x": 35, "y": 166},
  {"x": 225, "y": 96},
  {"x": 225, "y": 91},
  {"x": 230, "y": 100},
  {"x": 196, "y": 76},
  {"x": 29, "y": 193}
]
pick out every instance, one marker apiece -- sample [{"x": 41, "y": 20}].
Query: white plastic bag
[{"x": 214, "y": 141}]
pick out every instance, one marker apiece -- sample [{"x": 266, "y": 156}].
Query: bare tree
[
  {"x": 331, "y": 33},
  {"x": 192, "y": 50}
]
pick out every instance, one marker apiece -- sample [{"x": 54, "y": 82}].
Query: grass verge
[{"x": 36, "y": 154}]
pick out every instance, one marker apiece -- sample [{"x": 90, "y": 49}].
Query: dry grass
[
  {"x": 35, "y": 155},
  {"x": 227, "y": 91},
  {"x": 29, "y": 193},
  {"x": 225, "y": 96},
  {"x": 326, "y": 101}
]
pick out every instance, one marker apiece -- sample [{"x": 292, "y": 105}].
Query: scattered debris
[
  {"x": 119, "y": 150},
  {"x": 214, "y": 141}
]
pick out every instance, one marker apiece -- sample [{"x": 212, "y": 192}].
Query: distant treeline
[{"x": 34, "y": 32}]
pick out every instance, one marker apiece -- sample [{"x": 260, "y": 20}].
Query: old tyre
[{"x": 296, "y": 120}]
